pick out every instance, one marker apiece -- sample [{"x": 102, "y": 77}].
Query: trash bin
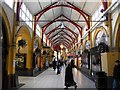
[{"x": 101, "y": 80}]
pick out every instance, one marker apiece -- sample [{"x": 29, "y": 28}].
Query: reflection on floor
[{"x": 49, "y": 79}]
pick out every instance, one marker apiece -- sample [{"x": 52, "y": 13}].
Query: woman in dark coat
[
  {"x": 54, "y": 64},
  {"x": 69, "y": 80}
]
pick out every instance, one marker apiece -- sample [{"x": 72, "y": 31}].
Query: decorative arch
[
  {"x": 7, "y": 24},
  {"x": 68, "y": 6},
  {"x": 117, "y": 41},
  {"x": 116, "y": 31},
  {"x": 9, "y": 42},
  {"x": 24, "y": 32},
  {"x": 97, "y": 31},
  {"x": 79, "y": 28}
]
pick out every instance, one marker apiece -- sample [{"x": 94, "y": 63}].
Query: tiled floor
[{"x": 49, "y": 79}]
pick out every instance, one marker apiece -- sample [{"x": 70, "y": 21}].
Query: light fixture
[
  {"x": 61, "y": 46},
  {"x": 62, "y": 26}
]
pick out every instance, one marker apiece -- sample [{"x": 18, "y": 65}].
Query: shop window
[
  {"x": 21, "y": 61},
  {"x": 96, "y": 56},
  {"x": 85, "y": 59},
  {"x": 101, "y": 37}
]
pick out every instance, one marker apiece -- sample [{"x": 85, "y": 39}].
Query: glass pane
[
  {"x": 9, "y": 3},
  {"x": 27, "y": 21},
  {"x": 30, "y": 16},
  {"x": 37, "y": 26},
  {"x": 28, "y": 13},
  {"x": 23, "y": 16},
  {"x": 20, "y": 13},
  {"x": 24, "y": 7},
  {"x": 30, "y": 24},
  {"x": 37, "y": 32}
]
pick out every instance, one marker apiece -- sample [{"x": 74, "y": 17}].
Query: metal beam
[
  {"x": 59, "y": 42},
  {"x": 62, "y": 5},
  {"x": 60, "y": 38},
  {"x": 54, "y": 35},
  {"x": 67, "y": 19},
  {"x": 49, "y": 33},
  {"x": 66, "y": 28},
  {"x": 62, "y": 41},
  {"x": 64, "y": 34},
  {"x": 69, "y": 36},
  {"x": 44, "y": 8}
]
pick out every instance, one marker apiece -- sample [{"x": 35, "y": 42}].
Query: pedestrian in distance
[
  {"x": 58, "y": 67},
  {"x": 54, "y": 64}
]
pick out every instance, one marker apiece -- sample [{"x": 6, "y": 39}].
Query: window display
[
  {"x": 101, "y": 37},
  {"x": 85, "y": 59},
  {"x": 21, "y": 61},
  {"x": 96, "y": 62}
]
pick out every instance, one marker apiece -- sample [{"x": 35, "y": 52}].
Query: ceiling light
[
  {"x": 61, "y": 46},
  {"x": 62, "y": 26}
]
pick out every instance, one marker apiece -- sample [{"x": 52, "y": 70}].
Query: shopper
[
  {"x": 58, "y": 67},
  {"x": 69, "y": 80},
  {"x": 47, "y": 63},
  {"x": 54, "y": 64},
  {"x": 116, "y": 76}
]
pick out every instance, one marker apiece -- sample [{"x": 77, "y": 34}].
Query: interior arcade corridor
[
  {"x": 39, "y": 35},
  {"x": 54, "y": 80}
]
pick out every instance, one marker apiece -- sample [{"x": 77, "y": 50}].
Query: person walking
[
  {"x": 47, "y": 63},
  {"x": 58, "y": 67},
  {"x": 116, "y": 76},
  {"x": 61, "y": 64},
  {"x": 54, "y": 64},
  {"x": 69, "y": 80}
]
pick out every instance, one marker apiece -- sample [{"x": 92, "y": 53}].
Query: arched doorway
[
  {"x": 4, "y": 55},
  {"x": 24, "y": 54},
  {"x": 100, "y": 42},
  {"x": 101, "y": 37},
  {"x": 7, "y": 74},
  {"x": 5, "y": 44}
]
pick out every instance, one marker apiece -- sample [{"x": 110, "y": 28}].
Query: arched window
[
  {"x": 101, "y": 37},
  {"x": 25, "y": 15}
]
